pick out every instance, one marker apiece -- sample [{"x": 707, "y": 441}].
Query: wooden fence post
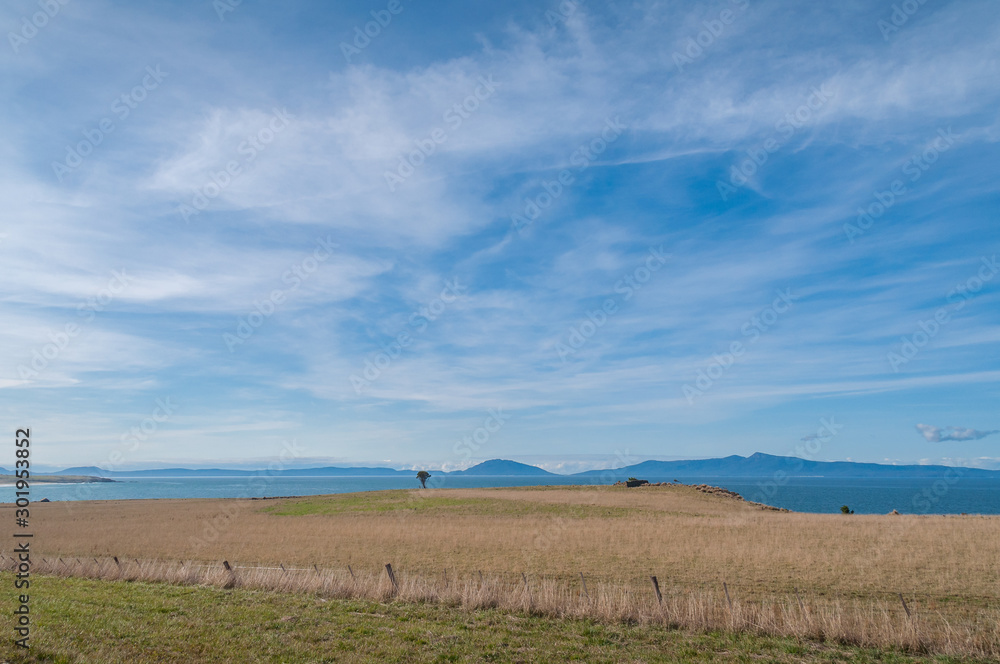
[
  {"x": 905, "y": 607},
  {"x": 392, "y": 577},
  {"x": 116, "y": 561},
  {"x": 656, "y": 588},
  {"x": 584, "y": 582},
  {"x": 351, "y": 571},
  {"x": 725, "y": 588},
  {"x": 527, "y": 587},
  {"x": 231, "y": 582}
]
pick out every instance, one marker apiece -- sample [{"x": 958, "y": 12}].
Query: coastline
[
  {"x": 801, "y": 495},
  {"x": 54, "y": 480}
]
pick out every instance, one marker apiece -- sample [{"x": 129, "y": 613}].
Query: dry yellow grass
[{"x": 846, "y": 569}]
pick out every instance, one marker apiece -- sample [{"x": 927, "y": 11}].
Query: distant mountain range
[
  {"x": 755, "y": 465},
  {"x": 766, "y": 465}
]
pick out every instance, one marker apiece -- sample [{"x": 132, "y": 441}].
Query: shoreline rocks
[{"x": 706, "y": 488}]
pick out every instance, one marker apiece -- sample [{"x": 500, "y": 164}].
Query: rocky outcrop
[{"x": 707, "y": 488}]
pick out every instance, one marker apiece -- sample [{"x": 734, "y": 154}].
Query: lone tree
[{"x": 422, "y": 476}]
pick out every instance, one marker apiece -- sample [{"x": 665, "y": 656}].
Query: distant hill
[
  {"x": 766, "y": 465},
  {"x": 93, "y": 471},
  {"x": 496, "y": 467},
  {"x": 755, "y": 465},
  {"x": 229, "y": 472},
  {"x": 502, "y": 468}
]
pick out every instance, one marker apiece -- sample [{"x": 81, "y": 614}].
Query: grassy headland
[{"x": 821, "y": 577}]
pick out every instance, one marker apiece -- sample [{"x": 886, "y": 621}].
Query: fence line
[
  {"x": 793, "y": 591},
  {"x": 868, "y": 620}
]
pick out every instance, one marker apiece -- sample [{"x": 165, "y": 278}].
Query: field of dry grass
[
  {"x": 825, "y": 576},
  {"x": 84, "y": 621}
]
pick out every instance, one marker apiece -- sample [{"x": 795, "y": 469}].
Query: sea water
[{"x": 801, "y": 494}]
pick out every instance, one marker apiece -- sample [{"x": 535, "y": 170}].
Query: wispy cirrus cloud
[{"x": 556, "y": 86}]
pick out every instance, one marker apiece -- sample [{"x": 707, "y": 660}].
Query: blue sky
[{"x": 575, "y": 234}]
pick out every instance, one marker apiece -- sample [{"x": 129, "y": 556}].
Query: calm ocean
[{"x": 864, "y": 496}]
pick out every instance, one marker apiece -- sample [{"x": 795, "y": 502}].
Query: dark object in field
[
  {"x": 844, "y": 509},
  {"x": 632, "y": 482},
  {"x": 392, "y": 577},
  {"x": 231, "y": 581},
  {"x": 656, "y": 589}
]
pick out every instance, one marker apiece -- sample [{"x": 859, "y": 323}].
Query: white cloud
[{"x": 935, "y": 434}]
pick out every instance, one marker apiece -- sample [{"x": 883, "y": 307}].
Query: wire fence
[
  {"x": 580, "y": 578},
  {"x": 966, "y": 624}
]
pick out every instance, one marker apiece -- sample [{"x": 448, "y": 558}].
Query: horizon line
[{"x": 418, "y": 467}]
